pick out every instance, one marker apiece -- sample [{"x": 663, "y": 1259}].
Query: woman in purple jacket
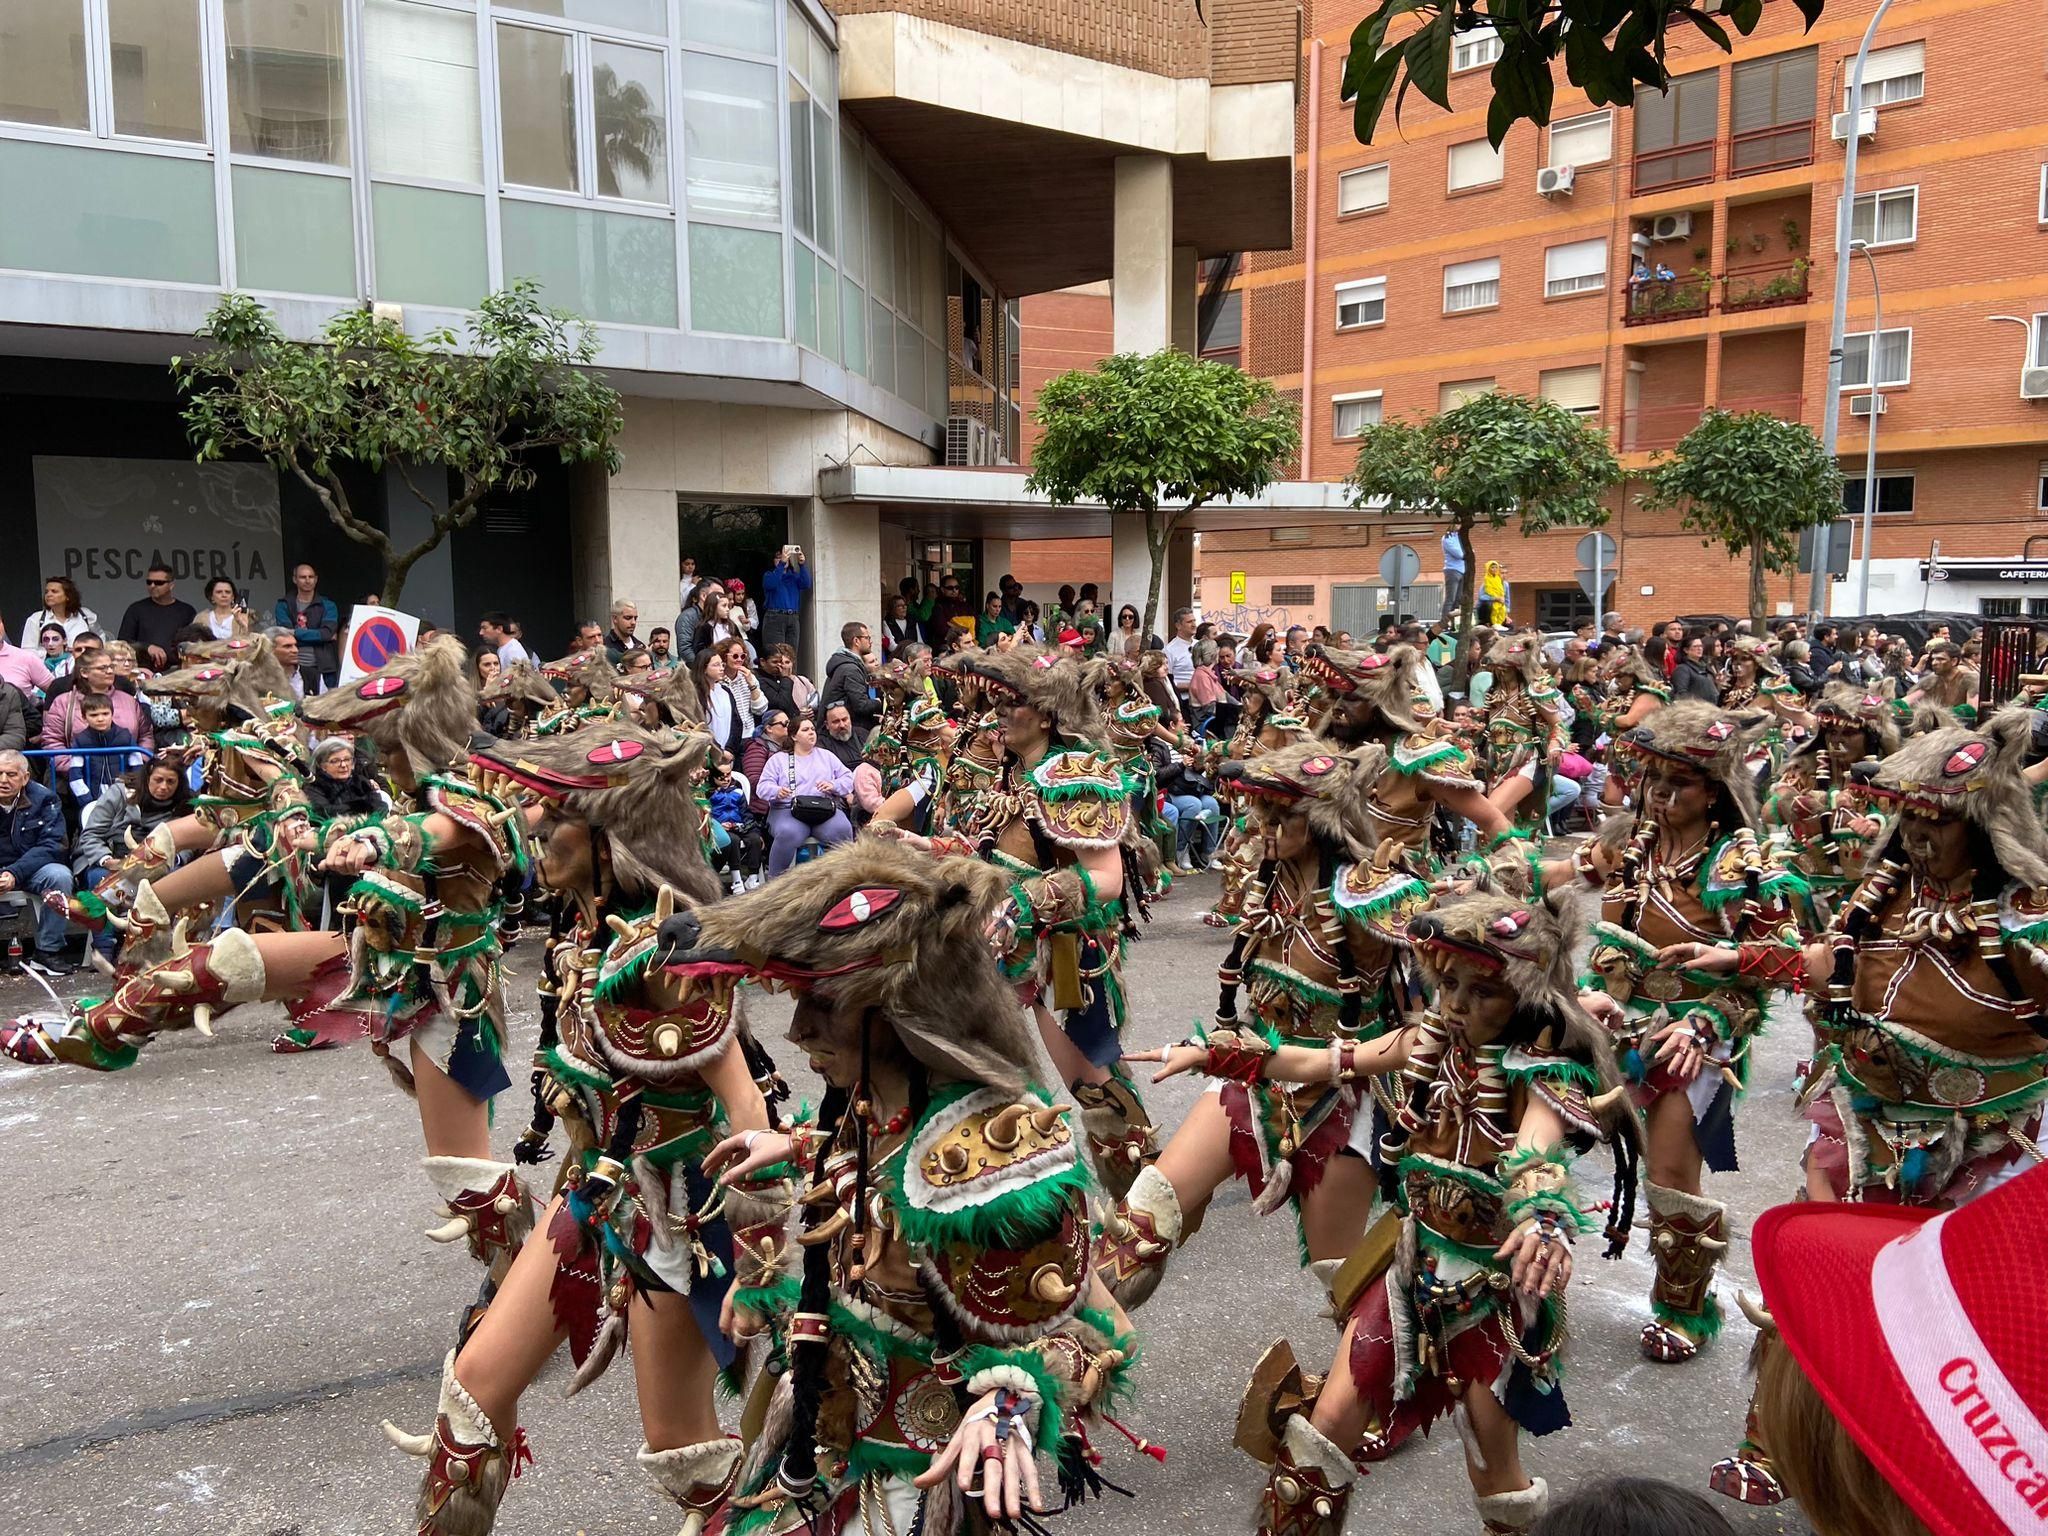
[{"x": 803, "y": 770}]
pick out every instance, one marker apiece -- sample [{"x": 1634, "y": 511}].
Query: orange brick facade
[
  {"x": 1242, "y": 41},
  {"x": 1973, "y": 145}
]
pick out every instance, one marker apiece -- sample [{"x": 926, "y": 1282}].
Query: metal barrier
[{"x": 48, "y": 756}]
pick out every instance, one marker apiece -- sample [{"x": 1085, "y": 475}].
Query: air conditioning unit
[
  {"x": 967, "y": 441},
  {"x": 1866, "y": 125},
  {"x": 1867, "y": 405},
  {"x": 1671, "y": 226},
  {"x": 1555, "y": 181},
  {"x": 2034, "y": 383}
]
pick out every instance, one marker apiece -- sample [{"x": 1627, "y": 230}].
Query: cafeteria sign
[{"x": 1952, "y": 569}]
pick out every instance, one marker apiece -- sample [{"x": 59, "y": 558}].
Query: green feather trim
[
  {"x": 1009, "y": 1220},
  {"x": 626, "y": 978},
  {"x": 1294, "y": 984},
  {"x": 733, "y": 1377},
  {"x": 1524, "y": 1069},
  {"x": 388, "y": 893},
  {"x": 1477, "y": 1178},
  {"x": 1051, "y": 1419},
  {"x": 877, "y": 1342},
  {"x": 777, "y": 1299},
  {"x": 880, "y": 1456},
  {"x": 1409, "y": 762},
  {"x": 1701, "y": 1325},
  {"x": 1516, "y": 1159}
]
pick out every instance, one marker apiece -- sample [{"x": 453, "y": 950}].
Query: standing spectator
[
  {"x": 55, "y": 652},
  {"x": 1454, "y": 573},
  {"x": 284, "y": 645},
  {"x": 731, "y": 620},
  {"x": 152, "y": 623},
  {"x": 316, "y": 623},
  {"x": 747, "y": 696},
  {"x": 495, "y": 629},
  {"x": 63, "y": 682},
  {"x": 1027, "y": 623},
  {"x": 840, "y": 738},
  {"x": 783, "y": 586},
  {"x": 993, "y": 621},
  {"x": 1180, "y": 656},
  {"x": 1674, "y": 646},
  {"x": 741, "y": 612},
  {"x": 1494, "y": 595},
  {"x": 226, "y": 614},
  {"x": 23, "y": 667},
  {"x": 945, "y": 608},
  {"x": 589, "y": 637},
  {"x": 846, "y": 675},
  {"x": 694, "y": 623},
  {"x": 658, "y": 650},
  {"x": 94, "y": 678},
  {"x": 620, "y": 638},
  {"x": 686, "y": 580},
  {"x": 898, "y": 627},
  {"x": 32, "y": 856},
  {"x": 816, "y": 777},
  {"x": 62, "y": 607},
  {"x": 1127, "y": 641},
  {"x": 1692, "y": 677},
  {"x": 782, "y": 685},
  {"x": 721, "y": 703}
]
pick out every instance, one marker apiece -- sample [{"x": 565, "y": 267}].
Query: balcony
[
  {"x": 1765, "y": 287},
  {"x": 1649, "y": 300},
  {"x": 1661, "y": 426},
  {"x": 1682, "y": 165},
  {"x": 1777, "y": 148}
]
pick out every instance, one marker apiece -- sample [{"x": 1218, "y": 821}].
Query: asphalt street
[{"x": 216, "y": 1286}]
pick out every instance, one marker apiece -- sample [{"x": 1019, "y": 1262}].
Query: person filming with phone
[{"x": 783, "y": 586}]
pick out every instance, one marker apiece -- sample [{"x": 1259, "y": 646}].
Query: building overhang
[
  {"x": 953, "y": 502},
  {"x": 1014, "y": 146}
]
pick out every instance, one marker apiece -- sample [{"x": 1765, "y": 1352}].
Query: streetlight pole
[
  {"x": 1876, "y": 403},
  {"x": 1831, "y": 407}
]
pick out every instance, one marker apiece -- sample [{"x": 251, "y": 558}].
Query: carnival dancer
[
  {"x": 648, "y": 1069},
  {"x": 1826, "y": 818},
  {"x": 1314, "y": 963},
  {"x": 1059, "y": 822},
  {"x": 1454, "y": 1300},
  {"x": 1378, "y": 699},
  {"x": 1269, "y": 719},
  {"x": 589, "y": 686},
  {"x": 1694, "y": 871},
  {"x": 514, "y": 701},
  {"x": 944, "y": 1329},
  {"x": 1637, "y": 690},
  {"x": 1757, "y": 683},
  {"x": 1524, "y": 732},
  {"x": 1926, "y": 995}
]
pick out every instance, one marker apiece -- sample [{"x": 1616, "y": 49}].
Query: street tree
[
  {"x": 1751, "y": 483},
  {"x": 483, "y": 409},
  {"x": 1609, "y": 48},
  {"x": 1158, "y": 436},
  {"x": 1494, "y": 458}
]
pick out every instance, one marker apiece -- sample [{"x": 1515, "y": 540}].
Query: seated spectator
[
  {"x": 741, "y": 851},
  {"x": 341, "y": 785},
  {"x": 773, "y": 737},
  {"x": 807, "y": 791},
  {"x": 87, "y": 775},
  {"x": 94, "y": 674},
  {"x": 32, "y": 857},
  {"x": 1189, "y": 806},
  {"x": 126, "y": 811},
  {"x": 14, "y": 718}
]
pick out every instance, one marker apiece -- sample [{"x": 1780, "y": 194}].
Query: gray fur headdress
[
  {"x": 1977, "y": 775},
  {"x": 1066, "y": 691},
  {"x": 419, "y": 706},
  {"x": 1710, "y": 741},
  {"x": 1332, "y": 788}
]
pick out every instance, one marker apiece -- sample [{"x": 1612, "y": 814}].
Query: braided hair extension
[
  {"x": 1226, "y": 1000},
  {"x": 532, "y": 1147},
  {"x": 798, "y": 1474}
]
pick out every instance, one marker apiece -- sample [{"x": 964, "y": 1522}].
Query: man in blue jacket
[
  {"x": 32, "y": 855},
  {"x": 316, "y": 622},
  {"x": 783, "y": 586}
]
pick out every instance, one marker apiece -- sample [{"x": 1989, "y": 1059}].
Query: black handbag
[{"x": 811, "y": 810}]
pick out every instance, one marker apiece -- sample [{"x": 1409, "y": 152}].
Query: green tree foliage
[
  {"x": 368, "y": 395},
  {"x": 1496, "y": 457},
  {"x": 1609, "y": 47},
  {"x": 1160, "y": 436},
  {"x": 1752, "y": 484}
]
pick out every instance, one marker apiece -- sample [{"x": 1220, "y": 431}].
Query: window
[
  {"x": 612, "y": 15},
  {"x": 1361, "y": 190},
  {"x": 51, "y": 53},
  {"x": 1894, "y": 358},
  {"x": 812, "y": 101},
  {"x": 1674, "y": 133},
  {"x": 1889, "y": 75},
  {"x": 1471, "y": 285},
  {"x": 2038, "y": 351},
  {"x": 287, "y": 86},
  {"x": 729, "y": 138},
  {"x": 1580, "y": 267},
  {"x": 1576, "y": 389},
  {"x": 1350, "y": 415},
  {"x": 1361, "y": 303},
  {"x": 606, "y": 132},
  {"x": 1890, "y": 217},
  {"x": 2041, "y": 500},
  {"x": 1999, "y": 607},
  {"x": 1474, "y": 50},
  {"x": 1294, "y": 596},
  {"x": 1894, "y": 495},
  {"x": 421, "y": 112},
  {"x": 1584, "y": 140},
  {"x": 1450, "y": 396},
  {"x": 1771, "y": 112},
  {"x": 1474, "y": 163},
  {"x": 2041, "y": 213},
  {"x": 1563, "y": 608},
  {"x": 1289, "y": 535},
  {"x": 1222, "y": 339}
]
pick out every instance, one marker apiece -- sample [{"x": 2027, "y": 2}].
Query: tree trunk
[
  {"x": 1471, "y": 583},
  {"x": 1758, "y": 594},
  {"x": 1158, "y": 538}
]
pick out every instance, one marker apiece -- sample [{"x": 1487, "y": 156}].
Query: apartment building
[
  {"x": 798, "y": 229},
  {"x": 1640, "y": 264}
]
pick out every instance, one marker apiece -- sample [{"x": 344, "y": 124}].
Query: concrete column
[
  {"x": 430, "y": 584},
  {"x": 625, "y": 547},
  {"x": 1141, "y": 303},
  {"x": 1185, "y": 300},
  {"x": 995, "y": 565},
  {"x": 845, "y": 547}
]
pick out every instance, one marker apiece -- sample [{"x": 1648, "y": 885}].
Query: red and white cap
[{"x": 1927, "y": 1335}]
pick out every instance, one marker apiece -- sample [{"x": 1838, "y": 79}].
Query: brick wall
[
  {"x": 1162, "y": 37},
  {"x": 1252, "y": 41},
  {"x": 1061, "y": 331}
]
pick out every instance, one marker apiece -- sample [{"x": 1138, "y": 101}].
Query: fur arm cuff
[
  {"x": 401, "y": 842},
  {"x": 1539, "y": 1184},
  {"x": 763, "y": 1256},
  {"x": 1048, "y": 901}
]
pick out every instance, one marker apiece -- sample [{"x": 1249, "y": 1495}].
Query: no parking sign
[{"x": 375, "y": 635}]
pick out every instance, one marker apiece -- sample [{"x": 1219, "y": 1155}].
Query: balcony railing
[
  {"x": 1777, "y": 148},
  {"x": 1682, "y": 165},
  {"x": 1661, "y": 426},
  {"x": 1651, "y": 299},
  {"x": 1766, "y": 287}
]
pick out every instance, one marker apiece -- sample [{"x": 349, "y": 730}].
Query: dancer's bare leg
[
  {"x": 455, "y": 1123},
  {"x": 516, "y": 1334},
  {"x": 673, "y": 1371}
]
